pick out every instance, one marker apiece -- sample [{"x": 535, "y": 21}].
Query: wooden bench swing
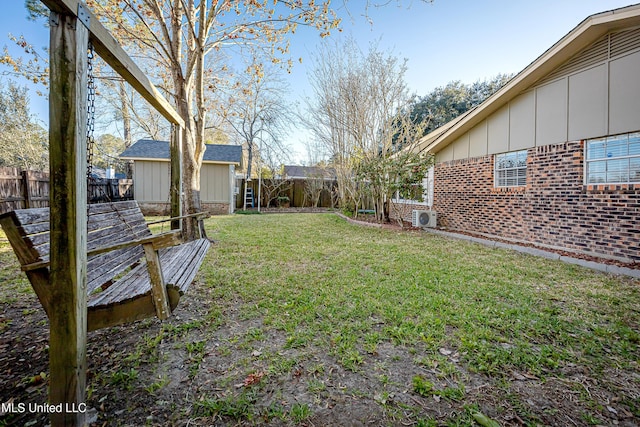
[
  {"x": 94, "y": 266},
  {"x": 155, "y": 270}
]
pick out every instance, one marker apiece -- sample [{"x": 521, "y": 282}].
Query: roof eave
[
  {"x": 160, "y": 159},
  {"x": 577, "y": 39}
]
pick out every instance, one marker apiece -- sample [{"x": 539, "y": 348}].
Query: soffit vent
[
  {"x": 596, "y": 53},
  {"x": 625, "y": 42}
]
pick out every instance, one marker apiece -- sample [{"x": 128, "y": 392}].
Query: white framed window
[
  {"x": 613, "y": 159},
  {"x": 422, "y": 193},
  {"x": 511, "y": 169}
]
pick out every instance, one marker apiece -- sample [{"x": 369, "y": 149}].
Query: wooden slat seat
[{"x": 125, "y": 281}]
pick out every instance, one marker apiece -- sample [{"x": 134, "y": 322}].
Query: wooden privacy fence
[
  {"x": 23, "y": 189},
  {"x": 300, "y": 192},
  {"x": 103, "y": 190}
]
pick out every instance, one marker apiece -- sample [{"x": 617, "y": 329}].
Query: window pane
[
  {"x": 510, "y": 160},
  {"x": 511, "y": 168},
  {"x": 595, "y": 149},
  {"x": 618, "y": 170},
  {"x": 617, "y": 146},
  {"x": 500, "y": 161},
  {"x": 634, "y": 144},
  {"x": 634, "y": 170},
  {"x": 597, "y": 172}
]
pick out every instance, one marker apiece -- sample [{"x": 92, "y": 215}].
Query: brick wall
[{"x": 555, "y": 209}]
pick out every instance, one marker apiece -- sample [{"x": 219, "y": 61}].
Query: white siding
[
  {"x": 551, "y": 113},
  {"x": 624, "y": 99},
  {"x": 445, "y": 154},
  {"x": 522, "y": 121},
  {"x": 214, "y": 183},
  {"x": 588, "y": 103},
  {"x": 498, "y": 131},
  {"x": 461, "y": 147},
  {"x": 151, "y": 181},
  {"x": 594, "y": 94},
  {"x": 478, "y": 140}
]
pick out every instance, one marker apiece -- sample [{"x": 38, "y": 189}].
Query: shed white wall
[
  {"x": 214, "y": 183},
  {"x": 596, "y": 93},
  {"x": 151, "y": 182}
]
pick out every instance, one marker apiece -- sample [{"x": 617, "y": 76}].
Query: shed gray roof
[{"x": 151, "y": 149}]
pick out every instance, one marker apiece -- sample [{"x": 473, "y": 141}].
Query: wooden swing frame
[{"x": 72, "y": 27}]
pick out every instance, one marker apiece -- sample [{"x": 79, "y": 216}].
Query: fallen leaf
[
  {"x": 253, "y": 378},
  {"x": 445, "y": 352}
]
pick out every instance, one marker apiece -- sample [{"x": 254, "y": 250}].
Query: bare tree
[
  {"x": 175, "y": 40},
  {"x": 326, "y": 117},
  {"x": 360, "y": 113},
  {"x": 274, "y": 185},
  {"x": 314, "y": 186},
  {"x": 258, "y": 115}
]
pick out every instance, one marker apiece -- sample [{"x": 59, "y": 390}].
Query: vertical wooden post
[
  {"x": 27, "y": 190},
  {"x": 158, "y": 287},
  {"x": 68, "y": 204},
  {"x": 175, "y": 151}
]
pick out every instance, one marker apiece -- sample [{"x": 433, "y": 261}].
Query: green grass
[
  {"x": 13, "y": 280},
  {"x": 451, "y": 308},
  {"x": 327, "y": 283},
  {"x": 397, "y": 319}
]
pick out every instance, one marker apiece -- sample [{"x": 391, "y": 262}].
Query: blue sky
[{"x": 447, "y": 40}]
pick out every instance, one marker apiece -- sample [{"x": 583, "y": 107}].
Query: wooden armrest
[
  {"x": 159, "y": 241},
  {"x": 203, "y": 215}
]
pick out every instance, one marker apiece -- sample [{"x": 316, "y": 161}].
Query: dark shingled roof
[
  {"x": 150, "y": 149},
  {"x": 295, "y": 171}
]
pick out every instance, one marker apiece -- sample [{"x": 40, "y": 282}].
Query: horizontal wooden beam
[{"x": 109, "y": 50}]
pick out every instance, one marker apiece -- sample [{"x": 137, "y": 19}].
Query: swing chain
[{"x": 91, "y": 109}]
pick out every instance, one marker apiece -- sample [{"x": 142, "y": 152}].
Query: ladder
[{"x": 248, "y": 197}]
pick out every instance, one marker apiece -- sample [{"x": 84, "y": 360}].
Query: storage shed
[{"x": 151, "y": 176}]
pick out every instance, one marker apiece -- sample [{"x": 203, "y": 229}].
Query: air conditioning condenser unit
[{"x": 424, "y": 219}]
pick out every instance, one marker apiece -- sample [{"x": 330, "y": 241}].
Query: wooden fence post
[
  {"x": 68, "y": 207},
  {"x": 27, "y": 189}
]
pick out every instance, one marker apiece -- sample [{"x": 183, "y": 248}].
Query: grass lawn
[{"x": 304, "y": 319}]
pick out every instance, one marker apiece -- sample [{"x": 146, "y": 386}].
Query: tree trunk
[
  {"x": 191, "y": 161},
  {"x": 192, "y": 148},
  {"x": 249, "y": 158}
]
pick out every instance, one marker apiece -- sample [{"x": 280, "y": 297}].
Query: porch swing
[
  {"x": 131, "y": 274},
  {"x": 94, "y": 266}
]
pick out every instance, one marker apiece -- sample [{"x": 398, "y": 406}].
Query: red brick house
[{"x": 552, "y": 158}]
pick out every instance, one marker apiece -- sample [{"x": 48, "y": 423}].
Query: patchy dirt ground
[{"x": 144, "y": 374}]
